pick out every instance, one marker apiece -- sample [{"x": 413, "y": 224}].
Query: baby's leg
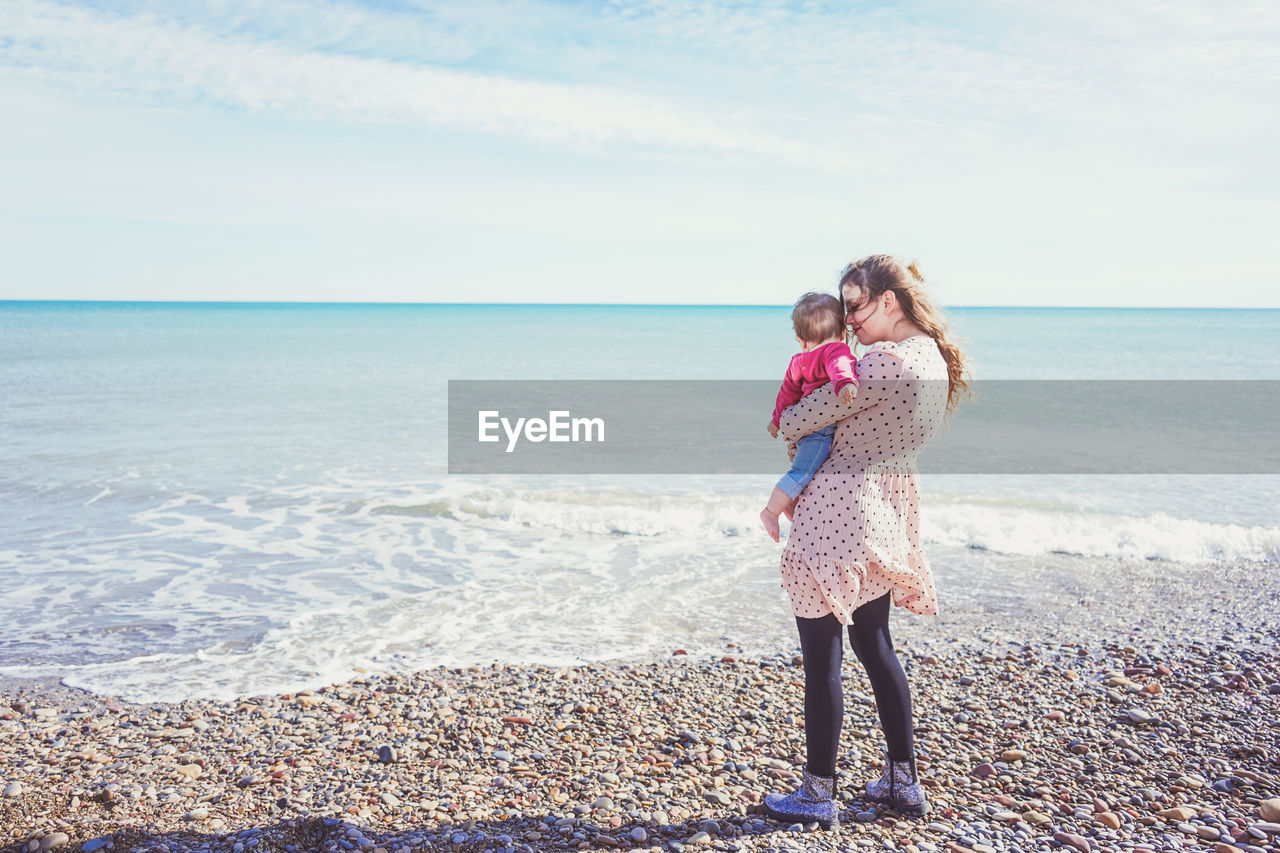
[
  {"x": 811, "y": 451},
  {"x": 790, "y": 510},
  {"x": 779, "y": 501}
]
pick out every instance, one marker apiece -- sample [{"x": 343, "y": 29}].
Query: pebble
[
  {"x": 1070, "y": 839},
  {"x": 1140, "y": 717},
  {"x": 666, "y": 755},
  {"x": 1178, "y": 813}
]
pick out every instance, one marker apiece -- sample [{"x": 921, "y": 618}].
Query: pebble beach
[{"x": 1142, "y": 722}]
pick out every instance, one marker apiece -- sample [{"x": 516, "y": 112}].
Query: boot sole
[
  {"x": 786, "y": 818},
  {"x": 914, "y": 811}
]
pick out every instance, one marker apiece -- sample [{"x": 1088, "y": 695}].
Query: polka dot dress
[{"x": 856, "y": 531}]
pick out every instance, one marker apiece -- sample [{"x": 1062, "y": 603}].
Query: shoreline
[
  {"x": 1017, "y": 599},
  {"x": 1021, "y": 746},
  {"x": 1066, "y": 721}
]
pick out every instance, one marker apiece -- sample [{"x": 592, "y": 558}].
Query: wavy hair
[{"x": 876, "y": 274}]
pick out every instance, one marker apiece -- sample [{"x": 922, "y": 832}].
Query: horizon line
[{"x": 604, "y": 304}]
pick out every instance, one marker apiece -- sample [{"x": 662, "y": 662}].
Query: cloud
[
  {"x": 846, "y": 86},
  {"x": 1122, "y": 131},
  {"x": 143, "y": 58},
  {"x": 1003, "y": 62}
]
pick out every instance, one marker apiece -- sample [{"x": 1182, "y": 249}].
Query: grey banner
[{"x": 1009, "y": 427}]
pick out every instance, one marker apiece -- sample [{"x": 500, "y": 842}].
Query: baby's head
[{"x": 818, "y": 318}]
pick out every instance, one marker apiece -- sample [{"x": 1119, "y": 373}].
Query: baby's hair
[{"x": 817, "y": 317}]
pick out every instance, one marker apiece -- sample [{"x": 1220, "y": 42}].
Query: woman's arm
[{"x": 878, "y": 375}]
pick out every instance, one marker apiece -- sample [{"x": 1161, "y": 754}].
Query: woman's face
[{"x": 866, "y": 320}]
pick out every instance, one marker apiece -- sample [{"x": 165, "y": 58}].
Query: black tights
[{"x": 822, "y": 645}]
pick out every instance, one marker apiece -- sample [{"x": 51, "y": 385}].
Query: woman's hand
[
  {"x": 880, "y": 374},
  {"x": 791, "y": 451}
]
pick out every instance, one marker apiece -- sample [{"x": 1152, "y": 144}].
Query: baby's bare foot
[{"x": 770, "y": 522}]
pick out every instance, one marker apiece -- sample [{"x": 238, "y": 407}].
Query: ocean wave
[
  {"x": 1014, "y": 530},
  {"x": 1008, "y": 525},
  {"x": 279, "y": 587},
  {"x": 616, "y": 512}
]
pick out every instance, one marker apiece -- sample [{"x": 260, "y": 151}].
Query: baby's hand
[
  {"x": 773, "y": 429},
  {"x": 847, "y": 394}
]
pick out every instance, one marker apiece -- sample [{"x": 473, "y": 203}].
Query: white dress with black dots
[{"x": 856, "y": 531}]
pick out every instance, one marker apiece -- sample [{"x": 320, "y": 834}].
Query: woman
[{"x": 854, "y": 546}]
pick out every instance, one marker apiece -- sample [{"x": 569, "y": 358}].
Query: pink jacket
[{"x": 831, "y": 362}]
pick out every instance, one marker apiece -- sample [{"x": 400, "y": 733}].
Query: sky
[{"x": 1092, "y": 152}]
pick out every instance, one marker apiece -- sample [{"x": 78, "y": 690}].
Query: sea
[{"x": 229, "y": 499}]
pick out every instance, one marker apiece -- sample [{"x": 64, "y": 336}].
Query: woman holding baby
[{"x": 854, "y": 545}]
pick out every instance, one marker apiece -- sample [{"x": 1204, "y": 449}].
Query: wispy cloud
[
  {"x": 1124, "y": 131},
  {"x": 812, "y": 82},
  {"x": 143, "y": 58},
  {"x": 1014, "y": 65}
]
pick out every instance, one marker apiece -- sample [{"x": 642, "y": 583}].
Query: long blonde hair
[{"x": 876, "y": 274}]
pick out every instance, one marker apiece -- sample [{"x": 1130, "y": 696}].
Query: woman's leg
[
  {"x": 822, "y": 642},
  {"x": 822, "y": 645},
  {"x": 869, "y": 635}
]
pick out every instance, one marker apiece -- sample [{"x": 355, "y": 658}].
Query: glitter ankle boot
[
  {"x": 813, "y": 801},
  {"x": 899, "y": 787}
]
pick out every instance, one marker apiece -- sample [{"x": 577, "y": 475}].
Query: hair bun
[{"x": 915, "y": 271}]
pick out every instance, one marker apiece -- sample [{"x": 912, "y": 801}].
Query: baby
[{"x": 818, "y": 320}]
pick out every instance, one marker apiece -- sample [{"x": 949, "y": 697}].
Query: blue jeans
[{"x": 811, "y": 452}]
